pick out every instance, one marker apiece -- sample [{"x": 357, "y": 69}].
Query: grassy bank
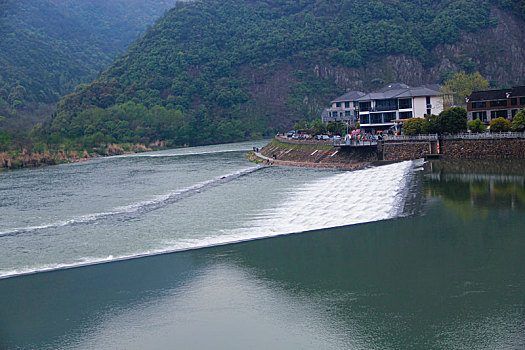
[{"x": 11, "y": 160}]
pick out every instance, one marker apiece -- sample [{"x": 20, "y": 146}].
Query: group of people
[{"x": 356, "y": 139}]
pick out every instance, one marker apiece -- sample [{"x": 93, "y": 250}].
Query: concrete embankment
[
  {"x": 319, "y": 155},
  {"x": 326, "y": 155}
]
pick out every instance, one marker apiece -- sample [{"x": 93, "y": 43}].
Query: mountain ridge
[
  {"x": 48, "y": 47},
  {"x": 262, "y": 65}
]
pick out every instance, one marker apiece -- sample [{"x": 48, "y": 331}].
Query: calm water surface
[{"x": 422, "y": 257}]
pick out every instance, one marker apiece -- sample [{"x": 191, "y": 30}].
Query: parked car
[{"x": 290, "y": 133}]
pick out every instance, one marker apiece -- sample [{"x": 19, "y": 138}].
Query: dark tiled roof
[
  {"x": 349, "y": 96},
  {"x": 401, "y": 90},
  {"x": 518, "y": 91},
  {"x": 489, "y": 95}
]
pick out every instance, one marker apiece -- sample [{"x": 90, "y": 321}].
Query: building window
[
  {"x": 498, "y": 114},
  {"x": 347, "y": 104},
  {"x": 429, "y": 111},
  {"x": 480, "y": 115},
  {"x": 514, "y": 112},
  {"x": 514, "y": 101},
  {"x": 364, "y": 106},
  {"x": 389, "y": 117},
  {"x": 405, "y": 103},
  {"x": 338, "y": 104},
  {"x": 334, "y": 114},
  {"x": 375, "y": 118},
  {"x": 405, "y": 115},
  {"x": 386, "y": 105},
  {"x": 428, "y": 100},
  {"x": 365, "y": 119},
  {"x": 498, "y": 103},
  {"x": 522, "y": 100},
  {"x": 347, "y": 113},
  {"x": 479, "y": 104}
]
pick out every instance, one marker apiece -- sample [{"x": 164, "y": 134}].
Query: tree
[
  {"x": 500, "y": 125},
  {"x": 336, "y": 128},
  {"x": 518, "y": 122},
  {"x": 318, "y": 127},
  {"x": 415, "y": 126},
  {"x": 462, "y": 85},
  {"x": 452, "y": 120},
  {"x": 477, "y": 126},
  {"x": 432, "y": 124},
  {"x": 301, "y": 125}
]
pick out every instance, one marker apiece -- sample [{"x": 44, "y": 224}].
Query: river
[{"x": 198, "y": 248}]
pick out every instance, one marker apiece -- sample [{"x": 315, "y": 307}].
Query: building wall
[
  {"x": 341, "y": 113},
  {"x": 507, "y": 110},
  {"x": 437, "y": 104},
  {"x": 420, "y": 106}
]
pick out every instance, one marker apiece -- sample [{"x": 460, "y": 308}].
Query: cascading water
[{"x": 196, "y": 210}]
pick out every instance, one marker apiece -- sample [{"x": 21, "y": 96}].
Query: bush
[
  {"x": 500, "y": 125},
  {"x": 452, "y": 120},
  {"x": 415, "y": 126},
  {"x": 518, "y": 122},
  {"x": 477, "y": 126}
]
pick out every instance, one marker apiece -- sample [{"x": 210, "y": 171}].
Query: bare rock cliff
[{"x": 498, "y": 53}]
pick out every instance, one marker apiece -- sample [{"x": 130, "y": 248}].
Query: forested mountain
[
  {"x": 216, "y": 70},
  {"x": 47, "y": 47}
]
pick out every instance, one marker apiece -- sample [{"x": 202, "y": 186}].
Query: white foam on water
[
  {"x": 146, "y": 205},
  {"x": 180, "y": 154},
  {"x": 347, "y": 198}
]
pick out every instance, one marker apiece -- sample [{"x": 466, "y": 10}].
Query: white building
[{"x": 381, "y": 109}]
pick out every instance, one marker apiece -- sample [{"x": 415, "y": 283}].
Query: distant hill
[
  {"x": 215, "y": 70},
  {"x": 47, "y": 47}
]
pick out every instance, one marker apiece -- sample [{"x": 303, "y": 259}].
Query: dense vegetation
[
  {"x": 47, "y": 47},
  {"x": 516, "y": 6},
  {"x": 211, "y": 65},
  {"x": 450, "y": 121}
]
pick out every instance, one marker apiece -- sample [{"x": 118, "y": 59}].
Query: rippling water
[
  {"x": 421, "y": 257},
  {"x": 122, "y": 207}
]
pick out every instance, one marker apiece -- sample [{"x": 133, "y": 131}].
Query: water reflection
[
  {"x": 450, "y": 279},
  {"x": 483, "y": 184}
]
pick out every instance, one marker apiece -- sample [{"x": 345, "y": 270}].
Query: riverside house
[
  {"x": 396, "y": 102},
  {"x": 492, "y": 104},
  {"x": 344, "y": 108}
]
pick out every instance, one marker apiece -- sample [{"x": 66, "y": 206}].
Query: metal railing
[
  {"x": 485, "y": 136},
  {"x": 430, "y": 137},
  {"x": 356, "y": 143}
]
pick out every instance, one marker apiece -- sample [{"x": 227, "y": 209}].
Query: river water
[{"x": 405, "y": 255}]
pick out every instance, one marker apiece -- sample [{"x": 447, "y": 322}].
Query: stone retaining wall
[
  {"x": 483, "y": 149},
  {"x": 405, "y": 150},
  {"x": 347, "y": 157}
]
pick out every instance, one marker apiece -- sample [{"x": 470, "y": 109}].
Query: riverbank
[
  {"x": 464, "y": 147},
  {"x": 25, "y": 159},
  {"x": 320, "y": 155}
]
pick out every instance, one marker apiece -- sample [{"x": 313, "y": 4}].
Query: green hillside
[
  {"x": 47, "y": 47},
  {"x": 215, "y": 70}
]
